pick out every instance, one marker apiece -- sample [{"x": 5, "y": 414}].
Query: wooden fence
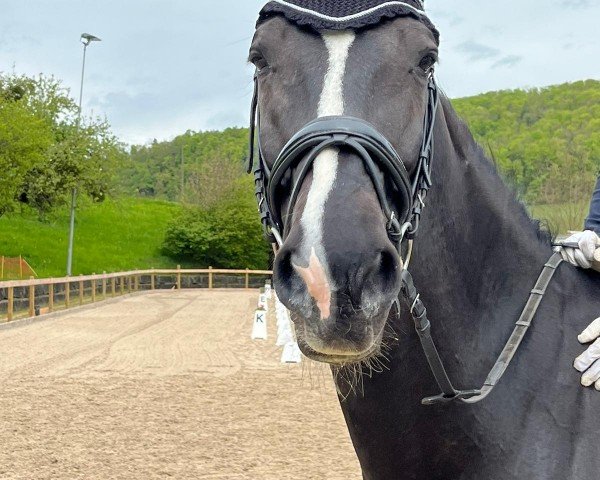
[{"x": 28, "y": 298}]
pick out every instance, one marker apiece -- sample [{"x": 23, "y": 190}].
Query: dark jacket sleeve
[{"x": 593, "y": 220}]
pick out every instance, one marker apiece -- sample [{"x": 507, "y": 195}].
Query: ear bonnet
[{"x": 344, "y": 14}]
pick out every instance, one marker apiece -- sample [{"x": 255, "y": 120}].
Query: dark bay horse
[{"x": 476, "y": 256}]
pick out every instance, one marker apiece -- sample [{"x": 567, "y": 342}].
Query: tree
[
  {"x": 85, "y": 160},
  {"x": 60, "y": 154},
  {"x": 25, "y": 138}
]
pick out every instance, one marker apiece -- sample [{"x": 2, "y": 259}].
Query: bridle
[
  {"x": 379, "y": 156},
  {"x": 376, "y": 152}
]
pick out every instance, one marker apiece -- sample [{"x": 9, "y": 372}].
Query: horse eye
[
  {"x": 258, "y": 60},
  {"x": 427, "y": 62}
]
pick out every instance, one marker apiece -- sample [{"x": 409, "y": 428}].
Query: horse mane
[{"x": 470, "y": 150}]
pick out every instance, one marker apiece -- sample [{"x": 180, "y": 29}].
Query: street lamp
[{"x": 86, "y": 39}]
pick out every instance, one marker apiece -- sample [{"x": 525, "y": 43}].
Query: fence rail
[{"x": 28, "y": 298}]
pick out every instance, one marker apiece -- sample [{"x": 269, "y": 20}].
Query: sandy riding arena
[{"x": 165, "y": 385}]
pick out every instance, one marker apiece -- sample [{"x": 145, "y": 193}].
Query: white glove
[
  {"x": 588, "y": 242},
  {"x": 588, "y": 362}
]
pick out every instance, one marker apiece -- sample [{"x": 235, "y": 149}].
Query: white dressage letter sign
[
  {"x": 259, "y": 328},
  {"x": 291, "y": 353}
]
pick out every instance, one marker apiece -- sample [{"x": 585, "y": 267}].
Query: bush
[{"x": 227, "y": 235}]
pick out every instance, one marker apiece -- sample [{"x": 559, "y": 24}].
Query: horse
[{"x": 326, "y": 99}]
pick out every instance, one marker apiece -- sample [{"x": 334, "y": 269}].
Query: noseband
[{"x": 347, "y": 133}]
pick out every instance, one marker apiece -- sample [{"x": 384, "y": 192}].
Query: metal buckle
[
  {"x": 458, "y": 395},
  {"x": 414, "y": 304},
  {"x": 277, "y": 236}
]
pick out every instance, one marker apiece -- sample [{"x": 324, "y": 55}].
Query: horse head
[{"x": 340, "y": 116}]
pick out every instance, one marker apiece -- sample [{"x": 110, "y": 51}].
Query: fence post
[
  {"x": 113, "y": 285},
  {"x": 104, "y": 285},
  {"x": 210, "y": 277},
  {"x": 67, "y": 293},
  {"x": 152, "y": 280},
  {"x": 247, "y": 278},
  {"x": 11, "y": 299},
  {"x": 93, "y": 289},
  {"x": 178, "y": 277},
  {"x": 2, "y": 269},
  {"x": 20, "y": 268},
  {"x": 136, "y": 283},
  {"x": 31, "y": 299},
  {"x": 80, "y": 290},
  {"x": 122, "y": 285},
  {"x": 50, "y": 297}
]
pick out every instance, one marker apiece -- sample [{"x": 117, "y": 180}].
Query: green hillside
[
  {"x": 545, "y": 141},
  {"x": 112, "y": 236},
  {"x": 207, "y": 162}
]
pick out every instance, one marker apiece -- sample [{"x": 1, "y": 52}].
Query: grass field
[
  {"x": 113, "y": 236},
  {"x": 562, "y": 218}
]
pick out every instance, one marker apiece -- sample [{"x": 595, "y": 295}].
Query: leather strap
[{"x": 423, "y": 327}]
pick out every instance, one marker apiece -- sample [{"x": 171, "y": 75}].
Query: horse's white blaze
[
  {"x": 332, "y": 97},
  {"x": 325, "y": 167}
]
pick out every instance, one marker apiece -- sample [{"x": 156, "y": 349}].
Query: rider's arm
[{"x": 593, "y": 220}]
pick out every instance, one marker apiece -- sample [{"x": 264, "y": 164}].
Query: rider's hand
[
  {"x": 588, "y": 362},
  {"x": 588, "y": 242}
]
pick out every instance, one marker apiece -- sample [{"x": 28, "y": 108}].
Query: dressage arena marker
[
  {"x": 263, "y": 303},
  {"x": 259, "y": 327},
  {"x": 291, "y": 353},
  {"x": 284, "y": 326},
  {"x": 285, "y": 335},
  {"x": 268, "y": 291}
]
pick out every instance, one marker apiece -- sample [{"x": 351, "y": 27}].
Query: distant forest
[{"x": 546, "y": 143}]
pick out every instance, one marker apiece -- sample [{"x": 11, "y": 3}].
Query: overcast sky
[{"x": 164, "y": 67}]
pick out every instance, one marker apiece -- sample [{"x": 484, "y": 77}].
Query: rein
[
  {"x": 423, "y": 328},
  {"x": 378, "y": 155}
]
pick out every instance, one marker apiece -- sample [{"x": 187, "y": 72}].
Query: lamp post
[{"x": 86, "y": 39}]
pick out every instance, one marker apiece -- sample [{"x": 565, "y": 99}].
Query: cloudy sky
[{"x": 164, "y": 67}]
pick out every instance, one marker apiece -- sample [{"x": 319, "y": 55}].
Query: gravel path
[{"x": 165, "y": 385}]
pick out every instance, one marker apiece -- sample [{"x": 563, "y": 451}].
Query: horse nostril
[
  {"x": 389, "y": 269},
  {"x": 283, "y": 269}
]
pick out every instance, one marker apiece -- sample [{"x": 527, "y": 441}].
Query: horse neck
[{"x": 477, "y": 244}]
